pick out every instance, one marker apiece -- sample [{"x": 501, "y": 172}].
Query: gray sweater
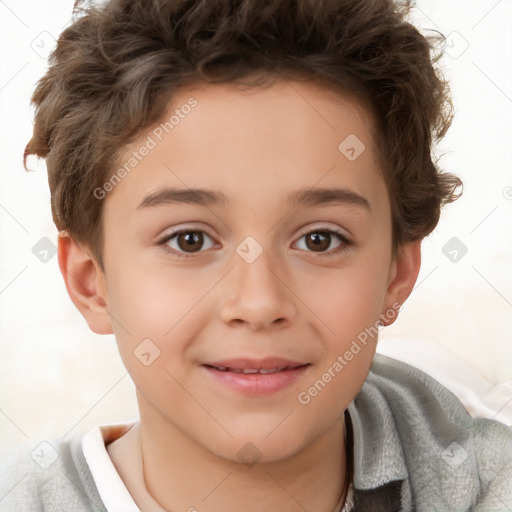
[{"x": 415, "y": 448}]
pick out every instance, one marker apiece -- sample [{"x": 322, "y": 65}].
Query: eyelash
[{"x": 345, "y": 245}]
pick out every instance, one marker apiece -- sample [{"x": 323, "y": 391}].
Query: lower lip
[{"x": 258, "y": 384}]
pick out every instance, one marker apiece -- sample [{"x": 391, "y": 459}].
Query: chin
[{"x": 255, "y": 446}]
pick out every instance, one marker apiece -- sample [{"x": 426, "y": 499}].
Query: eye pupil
[
  {"x": 191, "y": 238},
  {"x": 320, "y": 239}
]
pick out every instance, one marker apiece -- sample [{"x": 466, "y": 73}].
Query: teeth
[
  {"x": 250, "y": 370},
  {"x": 264, "y": 372}
]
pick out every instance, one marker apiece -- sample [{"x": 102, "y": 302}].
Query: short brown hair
[{"x": 116, "y": 67}]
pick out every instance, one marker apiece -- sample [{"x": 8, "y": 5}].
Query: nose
[{"x": 258, "y": 296}]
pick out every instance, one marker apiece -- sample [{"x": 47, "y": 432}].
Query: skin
[{"x": 294, "y": 301}]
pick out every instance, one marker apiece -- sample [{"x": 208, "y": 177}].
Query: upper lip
[{"x": 267, "y": 363}]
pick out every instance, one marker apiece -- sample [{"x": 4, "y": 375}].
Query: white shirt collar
[{"x": 111, "y": 487}]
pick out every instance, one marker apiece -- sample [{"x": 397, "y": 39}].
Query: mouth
[{"x": 256, "y": 377}]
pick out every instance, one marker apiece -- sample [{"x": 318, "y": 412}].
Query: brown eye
[
  {"x": 319, "y": 241},
  {"x": 186, "y": 241},
  {"x": 190, "y": 241}
]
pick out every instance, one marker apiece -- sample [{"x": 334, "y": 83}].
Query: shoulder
[
  {"x": 410, "y": 392},
  {"x": 48, "y": 476},
  {"x": 446, "y": 453}
]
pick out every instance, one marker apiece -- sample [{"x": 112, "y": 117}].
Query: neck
[{"x": 180, "y": 474}]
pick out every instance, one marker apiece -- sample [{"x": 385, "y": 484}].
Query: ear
[
  {"x": 85, "y": 282},
  {"x": 402, "y": 277}
]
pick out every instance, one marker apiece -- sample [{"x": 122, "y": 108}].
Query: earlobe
[
  {"x": 85, "y": 283},
  {"x": 403, "y": 276}
]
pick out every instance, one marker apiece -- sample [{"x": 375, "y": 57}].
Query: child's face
[{"x": 298, "y": 299}]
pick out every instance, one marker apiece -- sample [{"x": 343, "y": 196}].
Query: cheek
[
  {"x": 165, "y": 306},
  {"x": 151, "y": 298},
  {"x": 346, "y": 300},
  {"x": 349, "y": 310}
]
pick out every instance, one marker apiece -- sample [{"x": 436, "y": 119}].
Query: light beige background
[{"x": 58, "y": 378}]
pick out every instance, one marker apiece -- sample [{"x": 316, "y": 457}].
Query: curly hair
[{"x": 116, "y": 67}]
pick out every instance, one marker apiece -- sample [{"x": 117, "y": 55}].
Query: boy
[{"x": 241, "y": 190}]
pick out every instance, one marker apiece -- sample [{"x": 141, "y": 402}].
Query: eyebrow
[{"x": 203, "y": 197}]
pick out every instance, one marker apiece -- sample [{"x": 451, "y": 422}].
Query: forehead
[
  {"x": 305, "y": 108},
  {"x": 256, "y": 143}
]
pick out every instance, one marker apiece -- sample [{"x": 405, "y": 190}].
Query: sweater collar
[{"x": 379, "y": 467}]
